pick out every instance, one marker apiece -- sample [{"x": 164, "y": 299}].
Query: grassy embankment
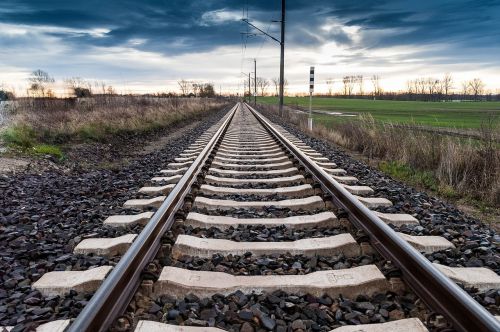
[
  {"x": 456, "y": 168},
  {"x": 43, "y": 126}
]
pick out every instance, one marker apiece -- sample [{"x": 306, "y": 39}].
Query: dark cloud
[{"x": 177, "y": 26}]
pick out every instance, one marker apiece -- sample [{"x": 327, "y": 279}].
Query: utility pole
[
  {"x": 282, "y": 57},
  {"x": 254, "y": 82},
  {"x": 249, "y": 88}
]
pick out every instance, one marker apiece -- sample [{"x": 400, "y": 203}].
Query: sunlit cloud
[
  {"x": 219, "y": 16},
  {"x": 151, "y": 46}
]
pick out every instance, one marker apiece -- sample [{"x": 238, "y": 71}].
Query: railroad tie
[
  {"x": 128, "y": 219},
  {"x": 155, "y": 202},
  {"x": 292, "y": 191},
  {"x": 106, "y": 247},
  {"x": 311, "y": 203},
  {"x": 167, "y": 179},
  {"x": 62, "y": 282},
  {"x": 178, "y": 282},
  {"x": 323, "y": 219},
  {"x": 285, "y": 180},
  {"x": 165, "y": 190},
  {"x": 477, "y": 277},
  {"x": 401, "y": 325},
  {"x": 342, "y": 244}
]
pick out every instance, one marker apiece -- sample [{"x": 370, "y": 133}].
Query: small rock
[
  {"x": 245, "y": 314},
  {"x": 298, "y": 324},
  {"x": 246, "y": 327}
]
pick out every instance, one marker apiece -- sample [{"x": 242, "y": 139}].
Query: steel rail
[
  {"x": 439, "y": 292},
  {"x": 115, "y": 293}
]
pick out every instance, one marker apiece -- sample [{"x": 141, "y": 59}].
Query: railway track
[{"x": 250, "y": 229}]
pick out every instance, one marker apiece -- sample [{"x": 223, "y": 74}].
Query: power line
[{"x": 281, "y": 41}]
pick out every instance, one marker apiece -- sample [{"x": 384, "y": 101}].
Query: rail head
[
  {"x": 116, "y": 291},
  {"x": 439, "y": 292}
]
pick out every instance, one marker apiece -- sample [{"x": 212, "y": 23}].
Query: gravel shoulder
[{"x": 48, "y": 208}]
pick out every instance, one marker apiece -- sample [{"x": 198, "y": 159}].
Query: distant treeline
[{"x": 405, "y": 96}]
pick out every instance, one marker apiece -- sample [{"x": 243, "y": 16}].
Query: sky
[{"x": 147, "y": 46}]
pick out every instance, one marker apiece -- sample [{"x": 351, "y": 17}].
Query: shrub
[
  {"x": 21, "y": 136},
  {"x": 82, "y": 92},
  {"x": 6, "y": 95}
]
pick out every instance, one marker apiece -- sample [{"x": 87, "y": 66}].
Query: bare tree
[
  {"x": 110, "y": 90},
  {"x": 377, "y": 90},
  {"x": 100, "y": 86},
  {"x": 476, "y": 87},
  {"x": 410, "y": 87},
  {"x": 262, "y": 84},
  {"x": 329, "y": 84},
  {"x": 196, "y": 88},
  {"x": 431, "y": 85},
  {"x": 184, "y": 86},
  {"x": 359, "y": 81},
  {"x": 465, "y": 89},
  {"x": 447, "y": 84},
  {"x": 39, "y": 81},
  {"x": 276, "y": 83},
  {"x": 345, "y": 81},
  {"x": 421, "y": 85},
  {"x": 285, "y": 87},
  {"x": 79, "y": 87},
  {"x": 348, "y": 82}
]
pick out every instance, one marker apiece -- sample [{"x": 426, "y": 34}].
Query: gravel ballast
[{"x": 45, "y": 215}]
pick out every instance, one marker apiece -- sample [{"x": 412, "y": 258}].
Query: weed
[
  {"x": 21, "y": 136},
  {"x": 447, "y": 191},
  {"x": 45, "y": 149},
  {"x": 408, "y": 174}
]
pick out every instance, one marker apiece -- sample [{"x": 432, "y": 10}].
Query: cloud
[
  {"x": 219, "y": 16},
  {"x": 65, "y": 37}
]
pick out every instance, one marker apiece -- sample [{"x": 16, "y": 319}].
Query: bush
[
  {"x": 6, "y": 95},
  {"x": 82, "y": 92},
  {"x": 21, "y": 136}
]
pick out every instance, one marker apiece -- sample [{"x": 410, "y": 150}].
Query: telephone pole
[
  {"x": 249, "y": 88},
  {"x": 282, "y": 57},
  {"x": 254, "y": 82}
]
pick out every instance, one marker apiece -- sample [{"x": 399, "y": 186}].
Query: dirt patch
[
  {"x": 490, "y": 217},
  {"x": 163, "y": 140},
  {"x": 122, "y": 149},
  {"x": 12, "y": 165}
]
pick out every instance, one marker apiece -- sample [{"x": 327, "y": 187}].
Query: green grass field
[{"x": 436, "y": 114}]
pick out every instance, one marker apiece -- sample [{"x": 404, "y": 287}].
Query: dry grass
[
  {"x": 455, "y": 167},
  {"x": 59, "y": 120}
]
